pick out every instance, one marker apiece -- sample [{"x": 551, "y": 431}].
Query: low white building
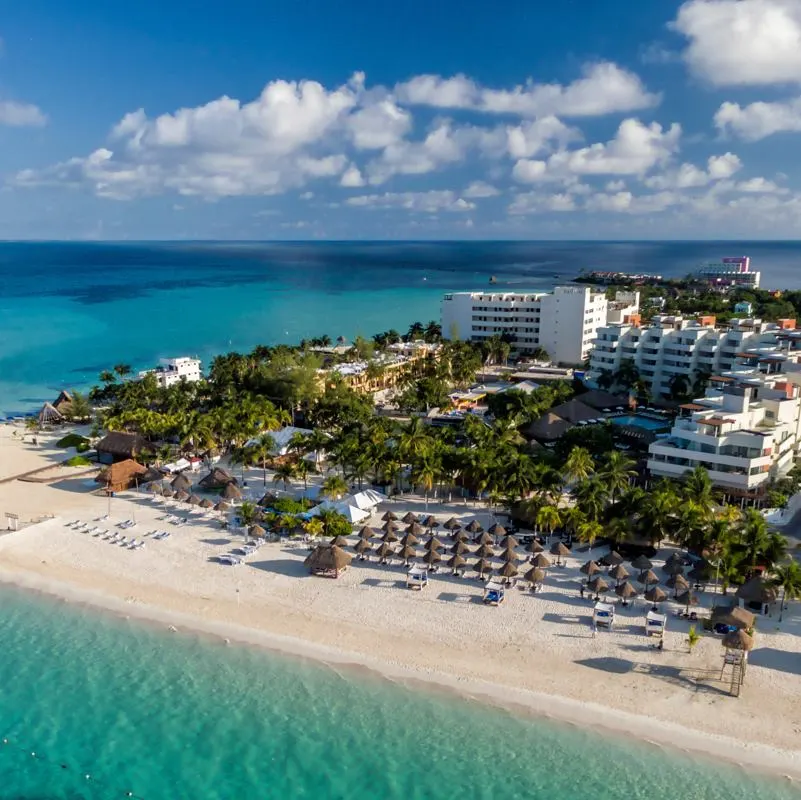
[
  {"x": 564, "y": 323},
  {"x": 172, "y": 370},
  {"x": 730, "y": 271},
  {"x": 743, "y": 431}
]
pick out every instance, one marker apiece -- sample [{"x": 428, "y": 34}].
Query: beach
[{"x": 534, "y": 654}]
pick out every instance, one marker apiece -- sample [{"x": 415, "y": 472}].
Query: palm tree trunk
[{"x": 781, "y": 607}]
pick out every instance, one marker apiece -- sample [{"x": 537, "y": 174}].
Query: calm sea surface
[
  {"x": 167, "y": 716},
  {"x": 67, "y": 311}
]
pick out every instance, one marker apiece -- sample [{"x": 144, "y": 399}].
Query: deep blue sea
[
  {"x": 69, "y": 310},
  {"x": 166, "y": 716}
]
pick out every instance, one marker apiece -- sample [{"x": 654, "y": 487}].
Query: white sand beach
[{"x": 534, "y": 653}]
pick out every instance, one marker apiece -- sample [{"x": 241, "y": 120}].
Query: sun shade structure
[
  {"x": 431, "y": 557},
  {"x": 738, "y": 640},
  {"x": 231, "y": 492},
  {"x": 206, "y": 503},
  {"x": 625, "y": 590},
  {"x": 193, "y": 500},
  {"x": 737, "y": 617},
  {"x": 485, "y": 551},
  {"x": 611, "y": 559},
  {"x": 484, "y": 538},
  {"x": 641, "y": 563},
  {"x": 459, "y": 548},
  {"x": 598, "y": 584},
  {"x": 409, "y": 540},
  {"x": 496, "y": 529},
  {"x": 590, "y": 568},
  {"x": 181, "y": 496},
  {"x": 757, "y": 590},
  {"x": 389, "y": 536},
  {"x": 407, "y": 553},
  {"x": 508, "y": 570},
  {"x": 649, "y": 578},
  {"x": 535, "y": 547},
  {"x": 474, "y": 526},
  {"x": 328, "y": 561},
  {"x": 619, "y": 573},
  {"x": 50, "y": 415},
  {"x": 216, "y": 479},
  {"x": 119, "y": 445},
  {"x": 677, "y": 582},
  {"x": 367, "y": 532},
  {"x": 416, "y": 529},
  {"x": 456, "y": 561},
  {"x": 409, "y": 518},
  {"x": 430, "y": 521},
  {"x": 385, "y": 551},
  {"x": 120, "y": 476},
  {"x": 363, "y": 546},
  {"x": 389, "y": 525},
  {"x": 434, "y": 544},
  {"x": 180, "y": 483},
  {"x": 542, "y": 561},
  {"x": 389, "y": 516},
  {"x": 482, "y": 566},
  {"x": 535, "y": 575},
  {"x": 452, "y": 523},
  {"x": 656, "y": 595},
  {"x": 222, "y": 506},
  {"x": 339, "y": 541},
  {"x": 509, "y": 541}
]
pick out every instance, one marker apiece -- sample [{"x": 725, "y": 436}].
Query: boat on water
[{"x": 493, "y": 279}]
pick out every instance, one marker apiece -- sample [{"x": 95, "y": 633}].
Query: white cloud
[
  {"x": 628, "y": 203},
  {"x": 479, "y": 189},
  {"x": 615, "y": 186},
  {"x": 528, "y": 170},
  {"x": 536, "y": 203},
  {"x": 531, "y": 138},
  {"x": 21, "y": 115},
  {"x": 723, "y": 166},
  {"x": 427, "y": 202},
  {"x": 352, "y": 178},
  {"x": 306, "y": 195},
  {"x": 758, "y": 120},
  {"x": 688, "y": 176},
  {"x": 742, "y": 42},
  {"x": 379, "y": 125},
  {"x": 760, "y": 186},
  {"x": 604, "y": 88}
]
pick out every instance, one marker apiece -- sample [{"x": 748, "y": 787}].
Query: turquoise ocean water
[
  {"x": 164, "y": 715},
  {"x": 70, "y": 310}
]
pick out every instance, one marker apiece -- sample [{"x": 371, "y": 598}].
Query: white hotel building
[
  {"x": 673, "y": 345},
  {"x": 563, "y": 323},
  {"x": 172, "y": 370},
  {"x": 746, "y": 429}
]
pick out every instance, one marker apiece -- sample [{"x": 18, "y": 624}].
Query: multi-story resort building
[
  {"x": 172, "y": 370},
  {"x": 733, "y": 271},
  {"x": 563, "y": 323},
  {"x": 745, "y": 429},
  {"x": 675, "y": 345}
]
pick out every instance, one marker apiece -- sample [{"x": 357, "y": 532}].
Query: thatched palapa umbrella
[
  {"x": 155, "y": 488},
  {"x": 193, "y": 500},
  {"x": 389, "y": 536},
  {"x": 389, "y": 516},
  {"x": 560, "y": 551},
  {"x": 431, "y": 557},
  {"x": 687, "y": 599},
  {"x": 180, "y": 483},
  {"x": 649, "y": 578},
  {"x": 474, "y": 526},
  {"x": 535, "y": 575},
  {"x": 430, "y": 522},
  {"x": 368, "y": 533},
  {"x": 656, "y": 595},
  {"x": 433, "y": 543},
  {"x": 509, "y": 541},
  {"x": 641, "y": 563},
  {"x": 363, "y": 547},
  {"x": 459, "y": 548},
  {"x": 409, "y": 518},
  {"x": 598, "y": 585},
  {"x": 389, "y": 525},
  {"x": 482, "y": 566},
  {"x": 231, "y": 492},
  {"x": 328, "y": 561},
  {"x": 407, "y": 553},
  {"x": 456, "y": 561},
  {"x": 677, "y": 582},
  {"x": 673, "y": 568},
  {"x": 168, "y": 491},
  {"x": 619, "y": 573},
  {"x": 738, "y": 640},
  {"x": 385, "y": 551},
  {"x": 590, "y": 568},
  {"x": 508, "y": 570},
  {"x": 535, "y": 547},
  {"x": 611, "y": 559},
  {"x": 409, "y": 540},
  {"x": 541, "y": 560},
  {"x": 222, "y": 507},
  {"x": 484, "y": 538},
  {"x": 625, "y": 590},
  {"x": 452, "y": 524},
  {"x": 485, "y": 551},
  {"x": 496, "y": 529},
  {"x": 458, "y": 535},
  {"x": 738, "y": 617},
  {"x": 416, "y": 528},
  {"x": 339, "y": 541},
  {"x": 206, "y": 503},
  {"x": 181, "y": 496}
]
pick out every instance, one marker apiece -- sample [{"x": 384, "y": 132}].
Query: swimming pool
[{"x": 641, "y": 421}]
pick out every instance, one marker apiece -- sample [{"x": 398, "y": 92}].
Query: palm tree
[
  {"x": 333, "y": 487},
  {"x": 787, "y": 577},
  {"x": 122, "y": 370},
  {"x": 616, "y": 473},
  {"x": 548, "y": 519},
  {"x": 303, "y": 469},
  {"x": 79, "y": 407},
  {"x": 578, "y": 466},
  {"x": 260, "y": 451},
  {"x": 591, "y": 497},
  {"x": 755, "y": 536},
  {"x": 284, "y": 473},
  {"x": 107, "y": 377},
  {"x": 426, "y": 472},
  {"x": 698, "y": 488},
  {"x": 247, "y": 513},
  {"x": 314, "y": 527},
  {"x": 588, "y": 531}
]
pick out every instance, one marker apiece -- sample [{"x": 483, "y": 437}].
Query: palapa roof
[
  {"x": 535, "y": 575},
  {"x": 216, "y": 479},
  {"x": 256, "y": 531},
  {"x": 206, "y": 503},
  {"x": 559, "y": 549},
  {"x": 459, "y": 548},
  {"x": 599, "y": 399},
  {"x": 339, "y": 541},
  {"x": 738, "y": 640},
  {"x": 193, "y": 500},
  {"x": 484, "y": 538},
  {"x": 625, "y": 590},
  {"x": 363, "y": 546},
  {"x": 508, "y": 570},
  {"x": 430, "y": 521},
  {"x": 181, "y": 495},
  {"x": 121, "y": 444},
  {"x": 736, "y": 616},
  {"x": 222, "y": 506},
  {"x": 575, "y": 411},
  {"x": 649, "y": 577},
  {"x": 549, "y": 427},
  {"x": 483, "y": 565},
  {"x": 757, "y": 590},
  {"x": 433, "y": 543},
  {"x": 409, "y": 518},
  {"x": 590, "y": 568},
  {"x": 407, "y": 552},
  {"x": 611, "y": 559},
  {"x": 508, "y": 540},
  {"x": 598, "y": 584},
  {"x": 452, "y": 523},
  {"x": 619, "y": 573},
  {"x": 325, "y": 557},
  {"x": 389, "y": 525},
  {"x": 153, "y": 474},
  {"x": 121, "y": 473},
  {"x": 485, "y": 551},
  {"x": 496, "y": 529},
  {"x": 231, "y": 492},
  {"x": 431, "y": 556},
  {"x": 542, "y": 561},
  {"x": 474, "y": 526},
  {"x": 181, "y": 483},
  {"x": 416, "y": 528},
  {"x": 389, "y": 516},
  {"x": 458, "y": 535},
  {"x": 687, "y": 598},
  {"x": 642, "y": 562},
  {"x": 49, "y": 414},
  {"x": 409, "y": 539},
  {"x": 656, "y": 595},
  {"x": 64, "y": 399},
  {"x": 366, "y": 532},
  {"x": 389, "y": 536},
  {"x": 456, "y": 561},
  {"x": 677, "y": 582},
  {"x": 385, "y": 550},
  {"x": 535, "y": 547}
]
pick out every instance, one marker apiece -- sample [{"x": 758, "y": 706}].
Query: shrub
[
  {"x": 73, "y": 440},
  {"x": 78, "y": 461}
]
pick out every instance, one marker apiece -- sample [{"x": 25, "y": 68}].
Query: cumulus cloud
[
  {"x": 539, "y": 202},
  {"x": 760, "y": 186},
  {"x": 604, "y": 88},
  {"x": 688, "y": 176},
  {"x": 379, "y": 125},
  {"x": 427, "y": 202},
  {"x": 21, "y": 115},
  {"x": 742, "y": 42},
  {"x": 758, "y": 120},
  {"x": 352, "y": 178},
  {"x": 531, "y": 138},
  {"x": 479, "y": 189}
]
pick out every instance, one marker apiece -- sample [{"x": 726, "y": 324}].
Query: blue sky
[{"x": 412, "y": 120}]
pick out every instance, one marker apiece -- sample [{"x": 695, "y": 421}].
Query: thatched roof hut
[
  {"x": 216, "y": 479},
  {"x": 181, "y": 495},
  {"x": 390, "y": 525},
  {"x": 339, "y": 541},
  {"x": 119, "y": 446},
  {"x": 738, "y": 640},
  {"x": 496, "y": 529},
  {"x": 560, "y": 550},
  {"x": 738, "y": 617},
  {"x": 63, "y": 402},
  {"x": 363, "y": 546},
  {"x": 508, "y": 540},
  {"x": 152, "y": 474},
  {"x": 409, "y": 539},
  {"x": 328, "y": 561},
  {"x": 431, "y": 557},
  {"x": 757, "y": 590},
  {"x": 485, "y": 551},
  {"x": 625, "y": 590},
  {"x": 458, "y": 535},
  {"x": 656, "y": 595},
  {"x": 50, "y": 415},
  {"x": 649, "y": 577},
  {"x": 432, "y": 543},
  {"x": 483, "y": 565},
  {"x": 367, "y": 532},
  {"x": 231, "y": 492},
  {"x": 598, "y": 584},
  {"x": 508, "y": 570},
  {"x": 409, "y": 518},
  {"x": 389, "y": 536},
  {"x": 452, "y": 523},
  {"x": 430, "y": 521},
  {"x": 619, "y": 573},
  {"x": 121, "y": 476},
  {"x": 456, "y": 561},
  {"x": 484, "y": 539},
  {"x": 459, "y": 548},
  {"x": 389, "y": 516}
]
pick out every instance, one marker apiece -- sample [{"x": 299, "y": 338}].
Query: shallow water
[{"x": 167, "y": 715}]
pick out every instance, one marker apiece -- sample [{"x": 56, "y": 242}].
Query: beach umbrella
[
  {"x": 256, "y": 532},
  {"x": 363, "y": 546},
  {"x": 485, "y": 551},
  {"x": 459, "y": 548},
  {"x": 389, "y": 516},
  {"x": 590, "y": 568},
  {"x": 701, "y": 572},
  {"x": 431, "y": 557},
  {"x": 430, "y": 521},
  {"x": 389, "y": 525},
  {"x": 193, "y": 500},
  {"x": 181, "y": 496},
  {"x": 649, "y": 578},
  {"x": 339, "y": 541},
  {"x": 155, "y": 488},
  {"x": 509, "y": 541},
  {"x": 508, "y": 570},
  {"x": 534, "y": 547},
  {"x": 168, "y": 491},
  {"x": 687, "y": 598},
  {"x": 560, "y": 551},
  {"x": 206, "y": 503},
  {"x": 619, "y": 573},
  {"x": 416, "y": 529},
  {"x": 474, "y": 526},
  {"x": 677, "y": 557},
  {"x": 456, "y": 561},
  {"x": 409, "y": 518},
  {"x": 641, "y": 563},
  {"x": 389, "y": 536},
  {"x": 737, "y": 617},
  {"x": 459, "y": 535},
  {"x": 222, "y": 506},
  {"x": 535, "y": 575},
  {"x": 482, "y": 566},
  {"x": 656, "y": 595},
  {"x": 409, "y": 539},
  {"x": 611, "y": 559},
  {"x": 367, "y": 532},
  {"x": 625, "y": 590},
  {"x": 385, "y": 551},
  {"x": 432, "y": 543},
  {"x": 542, "y": 561},
  {"x": 496, "y": 529},
  {"x": 181, "y": 483},
  {"x": 598, "y": 585},
  {"x": 673, "y": 568},
  {"x": 452, "y": 524},
  {"x": 231, "y": 492},
  {"x": 407, "y": 553},
  {"x": 677, "y": 582},
  {"x": 484, "y": 538},
  {"x": 508, "y": 554},
  {"x": 738, "y": 640}
]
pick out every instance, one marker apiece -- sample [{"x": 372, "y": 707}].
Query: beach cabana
[
  {"x": 216, "y": 479},
  {"x": 328, "y": 561},
  {"x": 757, "y": 592},
  {"x": 494, "y": 593},
  {"x": 121, "y": 476},
  {"x": 603, "y": 614},
  {"x": 655, "y": 623},
  {"x": 735, "y": 617},
  {"x": 738, "y": 640},
  {"x": 416, "y": 577},
  {"x": 508, "y": 541}
]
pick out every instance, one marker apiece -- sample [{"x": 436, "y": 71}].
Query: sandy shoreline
[{"x": 533, "y": 655}]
